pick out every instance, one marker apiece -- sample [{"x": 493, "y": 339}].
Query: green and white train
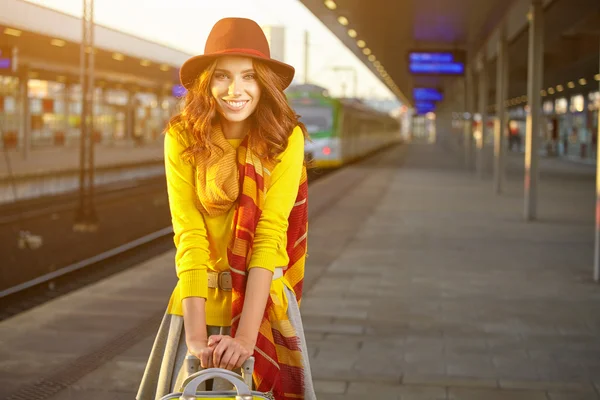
[{"x": 341, "y": 130}]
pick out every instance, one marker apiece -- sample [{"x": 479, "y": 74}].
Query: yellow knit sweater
[{"x": 201, "y": 240}]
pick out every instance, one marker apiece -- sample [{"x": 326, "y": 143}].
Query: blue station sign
[
  {"x": 178, "y": 91},
  {"x": 6, "y": 57},
  {"x": 427, "y": 94},
  {"x": 434, "y": 63}
]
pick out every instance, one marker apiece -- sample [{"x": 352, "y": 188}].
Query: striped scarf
[
  {"x": 278, "y": 359},
  {"x": 278, "y": 364}
]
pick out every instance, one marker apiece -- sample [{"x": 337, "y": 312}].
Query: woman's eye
[
  {"x": 221, "y": 76},
  {"x": 250, "y": 76}
]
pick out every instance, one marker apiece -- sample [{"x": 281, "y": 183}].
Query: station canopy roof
[
  {"x": 390, "y": 29},
  {"x": 49, "y": 43}
]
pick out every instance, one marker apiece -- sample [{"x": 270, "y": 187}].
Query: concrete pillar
[
  {"x": 66, "y": 104},
  {"x": 130, "y": 116},
  {"x": 24, "y": 114},
  {"x": 469, "y": 101},
  {"x": 597, "y": 241},
  {"x": 535, "y": 71},
  {"x": 483, "y": 105},
  {"x": 500, "y": 126}
]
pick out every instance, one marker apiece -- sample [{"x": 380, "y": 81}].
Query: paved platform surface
[
  {"x": 42, "y": 161},
  {"x": 421, "y": 284}
]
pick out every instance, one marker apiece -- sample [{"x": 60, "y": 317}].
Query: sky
[{"x": 185, "y": 25}]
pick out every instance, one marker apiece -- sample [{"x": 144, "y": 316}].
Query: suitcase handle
[
  {"x": 193, "y": 364},
  {"x": 243, "y": 392}
]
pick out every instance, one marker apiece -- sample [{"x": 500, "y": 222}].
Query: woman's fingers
[
  {"x": 206, "y": 358},
  {"x": 240, "y": 361},
  {"x": 227, "y": 356},
  {"x": 219, "y": 350},
  {"x": 235, "y": 362},
  {"x": 215, "y": 339}
]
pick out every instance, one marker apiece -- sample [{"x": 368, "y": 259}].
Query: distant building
[{"x": 276, "y": 38}]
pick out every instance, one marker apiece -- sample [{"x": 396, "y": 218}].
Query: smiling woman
[{"x": 236, "y": 179}]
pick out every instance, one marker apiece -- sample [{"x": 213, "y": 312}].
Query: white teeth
[{"x": 237, "y": 104}]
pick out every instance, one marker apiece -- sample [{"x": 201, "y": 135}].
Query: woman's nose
[{"x": 235, "y": 88}]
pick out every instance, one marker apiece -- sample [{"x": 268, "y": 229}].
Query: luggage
[{"x": 242, "y": 383}]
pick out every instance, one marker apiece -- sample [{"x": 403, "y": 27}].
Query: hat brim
[{"x": 193, "y": 67}]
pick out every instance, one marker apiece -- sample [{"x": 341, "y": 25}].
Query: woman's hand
[
  {"x": 202, "y": 351},
  {"x": 229, "y": 353}
]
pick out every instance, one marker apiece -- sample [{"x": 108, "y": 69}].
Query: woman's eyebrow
[{"x": 227, "y": 71}]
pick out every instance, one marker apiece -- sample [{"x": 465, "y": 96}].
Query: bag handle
[
  {"x": 193, "y": 365},
  {"x": 243, "y": 392}
]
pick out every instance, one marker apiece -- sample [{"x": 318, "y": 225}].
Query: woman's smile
[{"x": 235, "y": 105}]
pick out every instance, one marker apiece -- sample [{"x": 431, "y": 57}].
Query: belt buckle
[{"x": 225, "y": 282}]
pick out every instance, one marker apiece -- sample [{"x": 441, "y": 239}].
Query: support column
[
  {"x": 535, "y": 71},
  {"x": 86, "y": 219},
  {"x": 24, "y": 114},
  {"x": 66, "y": 111},
  {"x": 597, "y": 241},
  {"x": 483, "y": 104},
  {"x": 470, "y": 109},
  {"x": 500, "y": 126}
]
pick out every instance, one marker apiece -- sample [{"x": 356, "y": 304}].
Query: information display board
[
  {"x": 435, "y": 63},
  {"x": 427, "y": 94}
]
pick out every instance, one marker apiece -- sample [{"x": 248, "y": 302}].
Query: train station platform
[
  {"x": 55, "y": 170},
  {"x": 51, "y": 161},
  {"x": 420, "y": 284}
]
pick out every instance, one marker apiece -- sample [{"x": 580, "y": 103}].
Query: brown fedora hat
[{"x": 234, "y": 37}]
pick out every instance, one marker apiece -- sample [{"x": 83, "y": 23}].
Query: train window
[{"x": 316, "y": 119}]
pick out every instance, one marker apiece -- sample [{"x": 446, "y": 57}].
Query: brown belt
[{"x": 222, "y": 280}]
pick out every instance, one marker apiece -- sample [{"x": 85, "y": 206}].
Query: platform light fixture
[
  {"x": 597, "y": 77},
  {"x": 330, "y": 4},
  {"x": 118, "y": 56},
  {"x": 58, "y": 42},
  {"x": 550, "y": 90},
  {"x": 560, "y": 88},
  {"x": 343, "y": 20},
  {"x": 164, "y": 67},
  {"x": 583, "y": 82},
  {"x": 367, "y": 51},
  {"x": 33, "y": 74},
  {"x": 571, "y": 85},
  {"x": 543, "y": 93},
  {"x": 361, "y": 43},
  {"x": 61, "y": 78},
  {"x": 145, "y": 63},
  {"x": 372, "y": 58},
  {"x": 352, "y": 33},
  {"x": 12, "y": 32}
]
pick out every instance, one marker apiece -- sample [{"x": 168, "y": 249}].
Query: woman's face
[{"x": 235, "y": 87}]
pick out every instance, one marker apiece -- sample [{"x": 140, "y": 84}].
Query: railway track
[
  {"x": 33, "y": 292},
  {"x": 29, "y": 209}
]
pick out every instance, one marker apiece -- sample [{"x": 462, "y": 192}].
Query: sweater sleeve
[
  {"x": 269, "y": 240},
  {"x": 191, "y": 240}
]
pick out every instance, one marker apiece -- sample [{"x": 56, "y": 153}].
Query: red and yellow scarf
[{"x": 278, "y": 357}]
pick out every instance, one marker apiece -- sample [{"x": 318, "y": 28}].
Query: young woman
[{"x": 236, "y": 180}]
